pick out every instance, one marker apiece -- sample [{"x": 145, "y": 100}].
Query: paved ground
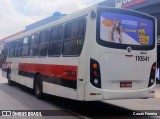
[
  {"x": 140, "y": 104},
  {"x": 157, "y": 94}
]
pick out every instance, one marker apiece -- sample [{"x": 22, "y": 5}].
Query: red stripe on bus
[{"x": 59, "y": 71}]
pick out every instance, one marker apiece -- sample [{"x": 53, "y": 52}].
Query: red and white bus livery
[{"x": 98, "y": 53}]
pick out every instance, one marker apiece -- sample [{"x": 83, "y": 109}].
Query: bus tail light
[
  {"x": 95, "y": 76},
  {"x": 152, "y": 75},
  {"x": 95, "y": 66},
  {"x": 95, "y": 73}
]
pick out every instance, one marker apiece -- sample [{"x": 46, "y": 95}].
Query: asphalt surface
[
  {"x": 21, "y": 98},
  {"x": 140, "y": 104}
]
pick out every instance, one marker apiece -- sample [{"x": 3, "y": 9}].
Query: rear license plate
[{"x": 125, "y": 84}]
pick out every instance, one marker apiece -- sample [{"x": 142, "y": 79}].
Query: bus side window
[
  {"x": 34, "y": 45},
  {"x": 20, "y": 47},
  {"x": 74, "y": 35},
  {"x": 43, "y": 43},
  {"x": 5, "y": 52},
  {"x": 55, "y": 45},
  {"x": 25, "y": 49},
  {"x": 17, "y": 48},
  {"x": 11, "y": 49}
]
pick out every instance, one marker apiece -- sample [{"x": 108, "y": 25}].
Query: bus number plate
[{"x": 125, "y": 84}]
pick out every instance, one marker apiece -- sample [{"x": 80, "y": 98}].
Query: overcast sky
[{"x": 16, "y": 14}]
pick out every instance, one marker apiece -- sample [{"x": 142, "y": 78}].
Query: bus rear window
[{"x": 126, "y": 29}]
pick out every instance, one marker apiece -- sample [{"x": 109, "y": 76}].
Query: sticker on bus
[{"x": 126, "y": 29}]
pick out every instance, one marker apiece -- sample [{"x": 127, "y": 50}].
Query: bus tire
[
  {"x": 38, "y": 88},
  {"x": 10, "y": 82}
]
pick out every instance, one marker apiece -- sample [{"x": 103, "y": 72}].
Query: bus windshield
[{"x": 126, "y": 29}]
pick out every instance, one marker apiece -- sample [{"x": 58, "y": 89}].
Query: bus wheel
[
  {"x": 38, "y": 89},
  {"x": 10, "y": 82}
]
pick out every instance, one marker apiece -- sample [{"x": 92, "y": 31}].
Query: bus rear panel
[{"x": 123, "y": 62}]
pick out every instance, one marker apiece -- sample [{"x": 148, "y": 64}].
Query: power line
[
  {"x": 20, "y": 14},
  {"x": 35, "y": 7},
  {"x": 11, "y": 21}
]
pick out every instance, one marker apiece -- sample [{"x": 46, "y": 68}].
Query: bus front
[{"x": 123, "y": 62}]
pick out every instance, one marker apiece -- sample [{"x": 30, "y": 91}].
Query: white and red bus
[{"x": 98, "y": 53}]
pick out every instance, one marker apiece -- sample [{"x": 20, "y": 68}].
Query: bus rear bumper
[{"x": 92, "y": 93}]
